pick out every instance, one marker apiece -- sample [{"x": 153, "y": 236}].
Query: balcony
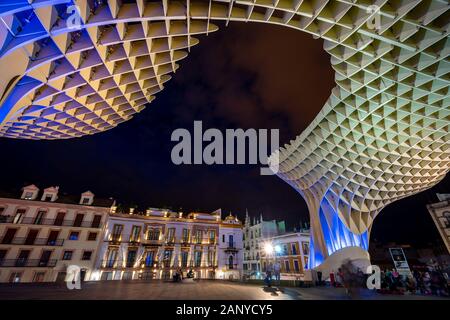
[
  {"x": 151, "y": 242},
  {"x": 185, "y": 242},
  {"x": 115, "y": 239},
  {"x": 7, "y": 263},
  {"x": 231, "y": 266},
  {"x": 51, "y": 222},
  {"x": 231, "y": 247},
  {"x": 170, "y": 242},
  {"x": 113, "y": 264},
  {"x": 35, "y": 242}
]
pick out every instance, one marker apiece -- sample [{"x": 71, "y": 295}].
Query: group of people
[
  {"x": 430, "y": 282},
  {"x": 273, "y": 270},
  {"x": 433, "y": 281},
  {"x": 178, "y": 275}
]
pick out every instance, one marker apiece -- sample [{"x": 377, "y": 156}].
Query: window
[
  {"x": 117, "y": 232},
  {"x": 171, "y": 235},
  {"x": 96, "y": 221},
  {"x": 212, "y": 236},
  {"x": 18, "y": 216},
  {"x": 9, "y": 236},
  {"x": 23, "y": 258},
  {"x": 185, "y": 235},
  {"x": 305, "y": 248},
  {"x": 230, "y": 241},
  {"x": 131, "y": 258},
  {"x": 293, "y": 249},
  {"x": 135, "y": 234},
  {"x": 78, "y": 220},
  {"x": 92, "y": 236},
  {"x": 111, "y": 258},
  {"x": 52, "y": 237},
  {"x": 296, "y": 266},
  {"x": 15, "y": 277},
  {"x": 85, "y": 200},
  {"x": 198, "y": 258},
  {"x": 87, "y": 255},
  {"x": 106, "y": 276},
  {"x": 67, "y": 255},
  {"x": 223, "y": 238},
  {"x": 167, "y": 258},
  {"x": 153, "y": 234},
  {"x": 211, "y": 258},
  {"x": 184, "y": 258},
  {"x": 149, "y": 258},
  {"x": 306, "y": 262},
  {"x": 198, "y": 236},
  {"x": 31, "y": 237},
  {"x": 39, "y": 217},
  {"x": 39, "y": 277},
  {"x": 59, "y": 220},
  {"x": 45, "y": 258},
  {"x": 286, "y": 265},
  {"x": 2, "y": 256},
  {"x": 1, "y": 210},
  {"x": 28, "y": 195},
  {"x": 74, "y": 235},
  {"x": 230, "y": 262}
]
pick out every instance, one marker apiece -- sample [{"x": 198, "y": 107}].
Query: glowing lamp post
[{"x": 268, "y": 248}]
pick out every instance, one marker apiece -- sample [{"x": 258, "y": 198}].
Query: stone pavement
[{"x": 159, "y": 290}]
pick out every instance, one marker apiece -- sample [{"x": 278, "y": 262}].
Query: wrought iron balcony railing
[
  {"x": 233, "y": 266},
  {"x": 126, "y": 264},
  {"x": 231, "y": 246},
  {"x": 28, "y": 263},
  {"x": 50, "y": 222},
  {"x": 34, "y": 242}
]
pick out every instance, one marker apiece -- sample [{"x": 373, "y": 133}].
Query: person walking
[
  {"x": 269, "y": 273},
  {"x": 277, "y": 272}
]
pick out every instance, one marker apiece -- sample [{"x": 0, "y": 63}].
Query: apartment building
[
  {"x": 254, "y": 234},
  {"x": 43, "y": 232},
  {"x": 154, "y": 244},
  {"x": 290, "y": 250}
]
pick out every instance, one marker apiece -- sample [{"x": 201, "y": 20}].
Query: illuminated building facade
[
  {"x": 381, "y": 136},
  {"x": 290, "y": 250},
  {"x": 254, "y": 233},
  {"x": 156, "y": 244},
  {"x": 43, "y": 232}
]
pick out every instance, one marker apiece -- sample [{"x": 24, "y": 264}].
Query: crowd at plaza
[{"x": 433, "y": 281}]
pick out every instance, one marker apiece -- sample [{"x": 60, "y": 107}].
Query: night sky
[{"x": 243, "y": 76}]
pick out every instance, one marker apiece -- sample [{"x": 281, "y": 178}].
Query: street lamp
[
  {"x": 277, "y": 249},
  {"x": 268, "y": 248}
]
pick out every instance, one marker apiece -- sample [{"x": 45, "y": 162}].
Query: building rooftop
[{"x": 61, "y": 197}]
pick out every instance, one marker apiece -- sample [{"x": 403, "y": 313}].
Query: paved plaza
[{"x": 198, "y": 290}]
